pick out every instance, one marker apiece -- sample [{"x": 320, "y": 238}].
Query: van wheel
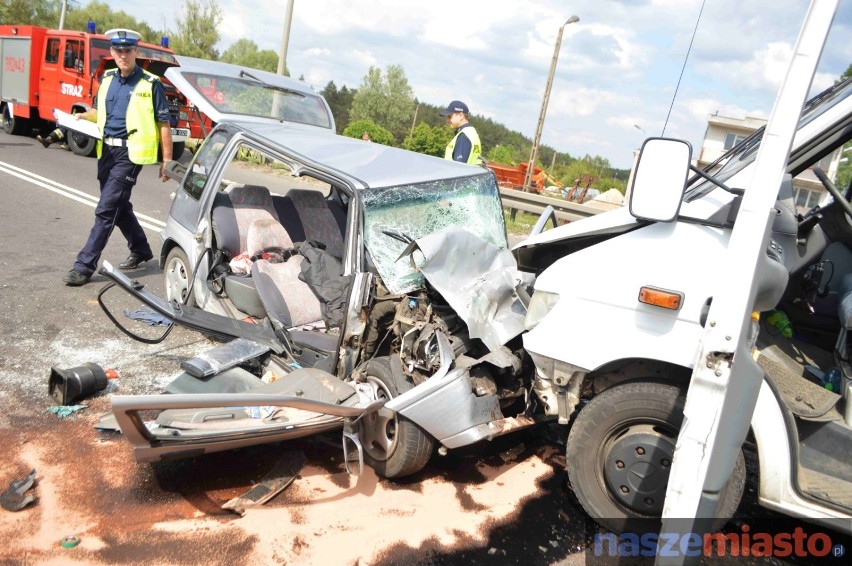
[
  {"x": 13, "y": 125},
  {"x": 178, "y": 275},
  {"x": 393, "y": 445},
  {"x": 81, "y": 144},
  {"x": 177, "y": 150},
  {"x": 619, "y": 456}
]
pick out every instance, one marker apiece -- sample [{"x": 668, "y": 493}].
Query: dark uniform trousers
[{"x": 117, "y": 175}]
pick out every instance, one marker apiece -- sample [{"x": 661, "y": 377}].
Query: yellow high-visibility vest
[
  {"x": 476, "y": 146},
  {"x": 144, "y": 138}
]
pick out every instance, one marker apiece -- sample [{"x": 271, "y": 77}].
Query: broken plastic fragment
[
  {"x": 63, "y": 411},
  {"x": 281, "y": 476}
]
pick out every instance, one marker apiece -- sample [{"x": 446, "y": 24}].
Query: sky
[{"x": 616, "y": 75}]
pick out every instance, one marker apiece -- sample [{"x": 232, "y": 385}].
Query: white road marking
[{"x": 72, "y": 193}]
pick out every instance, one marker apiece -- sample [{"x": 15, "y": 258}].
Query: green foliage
[
  {"x": 245, "y": 52},
  {"x": 43, "y": 13},
  {"x": 505, "y": 154},
  {"x": 106, "y": 19},
  {"x": 428, "y": 140},
  {"x": 196, "y": 34},
  {"x": 386, "y": 100},
  {"x": 340, "y": 101},
  {"x": 377, "y": 133}
]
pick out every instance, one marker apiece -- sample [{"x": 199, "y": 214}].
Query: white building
[{"x": 723, "y": 133}]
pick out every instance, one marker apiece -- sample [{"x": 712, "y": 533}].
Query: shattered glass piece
[
  {"x": 421, "y": 209},
  {"x": 63, "y": 411},
  {"x": 479, "y": 280}
]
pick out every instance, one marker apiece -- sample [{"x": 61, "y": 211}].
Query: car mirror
[{"x": 659, "y": 179}]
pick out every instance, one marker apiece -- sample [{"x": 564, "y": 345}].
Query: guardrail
[{"x": 531, "y": 202}]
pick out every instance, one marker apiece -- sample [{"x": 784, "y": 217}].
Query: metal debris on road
[
  {"x": 14, "y": 498},
  {"x": 281, "y": 476}
]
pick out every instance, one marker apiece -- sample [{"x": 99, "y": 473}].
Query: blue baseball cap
[
  {"x": 121, "y": 37},
  {"x": 455, "y": 106}
]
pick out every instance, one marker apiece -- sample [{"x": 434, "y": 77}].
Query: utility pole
[
  {"x": 285, "y": 36},
  {"x": 282, "y": 58},
  {"x": 545, "y": 100},
  {"x": 62, "y": 14}
]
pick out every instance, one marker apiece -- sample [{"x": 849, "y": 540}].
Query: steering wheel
[{"x": 829, "y": 186}]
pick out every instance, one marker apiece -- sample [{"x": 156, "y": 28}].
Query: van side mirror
[{"x": 660, "y": 178}]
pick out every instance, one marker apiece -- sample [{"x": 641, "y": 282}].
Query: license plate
[{"x": 180, "y": 132}]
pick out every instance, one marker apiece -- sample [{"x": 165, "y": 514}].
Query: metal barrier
[{"x": 535, "y": 203}]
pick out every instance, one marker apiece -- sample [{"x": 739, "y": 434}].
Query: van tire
[
  {"x": 81, "y": 144},
  {"x": 393, "y": 445},
  {"x": 628, "y": 426}
]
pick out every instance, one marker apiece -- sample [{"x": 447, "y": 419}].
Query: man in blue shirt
[
  {"x": 123, "y": 151},
  {"x": 465, "y": 145}
]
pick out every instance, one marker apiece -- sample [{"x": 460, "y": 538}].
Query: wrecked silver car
[{"x": 353, "y": 285}]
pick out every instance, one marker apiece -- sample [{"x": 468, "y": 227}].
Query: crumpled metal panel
[
  {"x": 479, "y": 280},
  {"x": 421, "y": 209}
]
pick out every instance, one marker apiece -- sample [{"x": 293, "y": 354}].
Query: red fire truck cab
[{"x": 45, "y": 69}]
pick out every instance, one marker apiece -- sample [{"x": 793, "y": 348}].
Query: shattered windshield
[
  {"x": 472, "y": 203},
  {"x": 251, "y": 97}
]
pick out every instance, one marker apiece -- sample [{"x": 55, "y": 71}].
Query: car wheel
[
  {"x": 393, "y": 445},
  {"x": 619, "y": 456},
  {"x": 81, "y": 144},
  {"x": 178, "y": 275},
  {"x": 13, "y": 125}
]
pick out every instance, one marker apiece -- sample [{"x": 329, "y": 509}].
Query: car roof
[{"x": 366, "y": 164}]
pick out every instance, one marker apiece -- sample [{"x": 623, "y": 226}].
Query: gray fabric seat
[
  {"x": 233, "y": 213},
  {"x": 321, "y": 220},
  {"x": 286, "y": 299}
]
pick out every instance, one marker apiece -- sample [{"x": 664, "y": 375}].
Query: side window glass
[
  {"x": 73, "y": 58},
  {"x": 196, "y": 178},
  {"x": 51, "y": 55}
]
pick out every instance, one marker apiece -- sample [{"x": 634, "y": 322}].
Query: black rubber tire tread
[
  {"x": 81, "y": 144},
  {"x": 177, "y": 150},
  {"x": 414, "y": 446},
  {"x": 658, "y": 401},
  {"x": 12, "y": 125},
  {"x": 177, "y": 253}
]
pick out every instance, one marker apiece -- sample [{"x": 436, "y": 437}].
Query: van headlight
[{"x": 541, "y": 304}]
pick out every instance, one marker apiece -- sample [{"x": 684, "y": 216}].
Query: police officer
[
  {"x": 133, "y": 117},
  {"x": 465, "y": 145}
]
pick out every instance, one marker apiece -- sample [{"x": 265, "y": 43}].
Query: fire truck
[{"x": 46, "y": 69}]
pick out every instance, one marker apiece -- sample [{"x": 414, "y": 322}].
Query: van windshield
[{"x": 744, "y": 153}]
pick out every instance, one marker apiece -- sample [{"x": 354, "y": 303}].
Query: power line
[{"x": 683, "y": 68}]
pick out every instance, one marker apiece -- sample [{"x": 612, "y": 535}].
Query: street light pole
[{"x": 545, "y": 100}]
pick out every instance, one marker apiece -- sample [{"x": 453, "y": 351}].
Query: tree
[
  {"x": 340, "y": 101},
  {"x": 377, "y": 133},
  {"x": 30, "y": 12},
  {"x": 502, "y": 154},
  {"x": 386, "y": 100},
  {"x": 196, "y": 34},
  {"x": 245, "y": 52},
  {"x": 428, "y": 140},
  {"x": 105, "y": 18}
]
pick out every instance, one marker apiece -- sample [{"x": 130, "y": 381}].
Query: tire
[
  {"x": 13, "y": 125},
  {"x": 393, "y": 445},
  {"x": 81, "y": 144},
  {"x": 619, "y": 455},
  {"x": 177, "y": 150},
  {"x": 178, "y": 275}
]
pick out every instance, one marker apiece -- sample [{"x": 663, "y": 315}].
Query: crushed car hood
[
  {"x": 612, "y": 221},
  {"x": 479, "y": 280}
]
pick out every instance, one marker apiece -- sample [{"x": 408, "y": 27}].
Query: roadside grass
[{"x": 521, "y": 225}]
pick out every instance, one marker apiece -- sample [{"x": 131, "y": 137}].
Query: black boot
[{"x": 46, "y": 140}]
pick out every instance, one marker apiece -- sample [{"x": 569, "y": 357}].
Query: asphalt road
[{"x": 506, "y": 502}]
